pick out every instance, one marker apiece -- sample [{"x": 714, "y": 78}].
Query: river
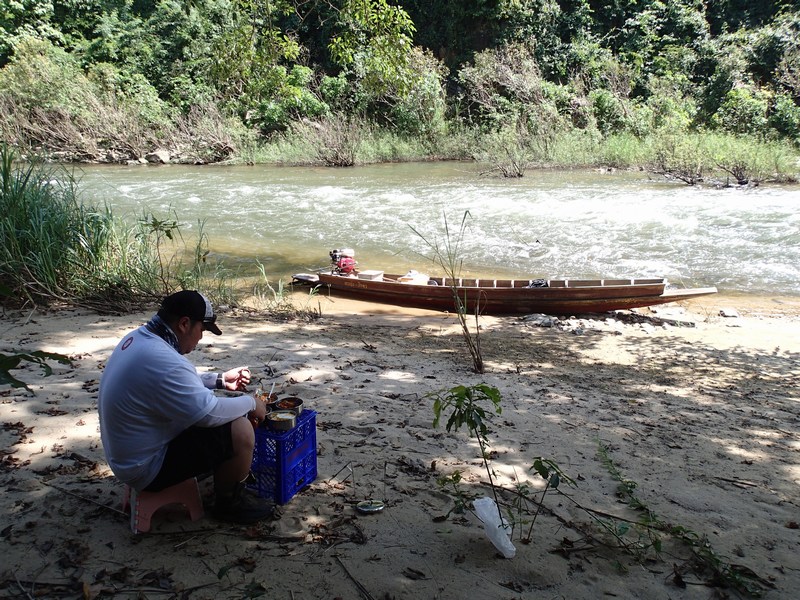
[{"x": 547, "y": 224}]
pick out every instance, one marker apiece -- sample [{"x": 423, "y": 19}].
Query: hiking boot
[{"x": 241, "y": 506}]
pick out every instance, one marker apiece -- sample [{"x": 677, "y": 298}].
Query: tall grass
[
  {"x": 54, "y": 249},
  {"x": 49, "y": 242},
  {"x": 356, "y": 142},
  {"x": 447, "y": 254}
]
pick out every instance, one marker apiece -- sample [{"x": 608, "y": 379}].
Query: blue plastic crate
[{"x": 284, "y": 462}]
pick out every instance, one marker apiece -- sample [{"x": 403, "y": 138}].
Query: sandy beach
[{"x": 676, "y": 425}]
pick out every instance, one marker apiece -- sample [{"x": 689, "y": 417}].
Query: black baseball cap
[{"x": 192, "y": 304}]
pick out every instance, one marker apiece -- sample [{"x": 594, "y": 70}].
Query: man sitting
[{"x": 160, "y": 422}]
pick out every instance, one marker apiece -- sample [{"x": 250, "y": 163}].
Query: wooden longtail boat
[{"x": 503, "y": 296}]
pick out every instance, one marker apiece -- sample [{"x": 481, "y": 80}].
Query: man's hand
[
  {"x": 258, "y": 415},
  {"x": 236, "y": 380}
]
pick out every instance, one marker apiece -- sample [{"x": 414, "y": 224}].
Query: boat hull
[{"x": 511, "y": 297}]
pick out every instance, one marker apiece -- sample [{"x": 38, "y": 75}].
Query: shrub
[
  {"x": 49, "y": 104},
  {"x": 41, "y": 76},
  {"x": 334, "y": 90},
  {"x": 501, "y": 81},
  {"x": 785, "y": 117},
  {"x": 752, "y": 161},
  {"x": 284, "y": 98},
  {"x": 744, "y": 110},
  {"x": 609, "y": 111},
  {"x": 420, "y": 109},
  {"x": 51, "y": 244},
  {"x": 53, "y": 248},
  {"x": 683, "y": 157},
  {"x": 623, "y": 150},
  {"x": 336, "y": 139}
]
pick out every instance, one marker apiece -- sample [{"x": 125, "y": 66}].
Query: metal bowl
[
  {"x": 281, "y": 420},
  {"x": 289, "y": 403}
]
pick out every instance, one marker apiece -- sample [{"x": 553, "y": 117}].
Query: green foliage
[
  {"x": 608, "y": 110},
  {"x": 650, "y": 529},
  {"x": 387, "y": 78},
  {"x": 501, "y": 82},
  {"x": 334, "y": 90},
  {"x": 453, "y": 29},
  {"x": 123, "y": 38},
  {"x": 130, "y": 91},
  {"x": 289, "y": 100},
  {"x": 386, "y": 145},
  {"x": 623, "y": 151},
  {"x": 375, "y": 38},
  {"x": 53, "y": 248},
  {"x": 506, "y": 150},
  {"x": 44, "y": 77},
  {"x": 744, "y": 110},
  {"x": 452, "y": 485},
  {"x": 249, "y": 50},
  {"x": 24, "y": 19},
  {"x": 597, "y": 67},
  {"x": 788, "y": 72},
  {"x": 51, "y": 104},
  {"x": 49, "y": 242},
  {"x": 464, "y": 402},
  {"x": 771, "y": 43},
  {"x": 661, "y": 34},
  {"x": 110, "y": 80},
  {"x": 465, "y": 406},
  {"x": 548, "y": 470},
  {"x": 785, "y": 118},
  {"x": 752, "y": 161},
  {"x": 418, "y": 108},
  {"x": 682, "y": 157},
  {"x": 670, "y": 106}
]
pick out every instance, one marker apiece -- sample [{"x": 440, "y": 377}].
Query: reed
[
  {"x": 55, "y": 249},
  {"x": 46, "y": 236},
  {"x": 447, "y": 253},
  {"x": 623, "y": 151},
  {"x": 747, "y": 160},
  {"x": 280, "y": 301}
]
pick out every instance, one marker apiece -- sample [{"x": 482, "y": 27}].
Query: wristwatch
[{"x": 220, "y": 382}]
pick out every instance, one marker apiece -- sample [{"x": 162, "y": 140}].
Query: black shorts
[{"x": 196, "y": 451}]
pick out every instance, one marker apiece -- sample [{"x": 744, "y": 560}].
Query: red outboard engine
[{"x": 342, "y": 261}]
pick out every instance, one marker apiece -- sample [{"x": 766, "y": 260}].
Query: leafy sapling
[{"x": 464, "y": 404}]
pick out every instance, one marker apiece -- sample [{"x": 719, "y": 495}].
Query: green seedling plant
[
  {"x": 452, "y": 485},
  {"x": 548, "y": 470},
  {"x": 704, "y": 559},
  {"x": 157, "y": 230},
  {"x": 464, "y": 405},
  {"x": 447, "y": 255}
]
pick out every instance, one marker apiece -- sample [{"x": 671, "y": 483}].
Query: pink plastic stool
[{"x": 143, "y": 505}]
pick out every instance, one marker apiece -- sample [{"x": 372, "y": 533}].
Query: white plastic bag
[{"x": 496, "y": 528}]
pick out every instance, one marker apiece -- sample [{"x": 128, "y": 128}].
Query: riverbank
[{"x": 695, "y": 410}]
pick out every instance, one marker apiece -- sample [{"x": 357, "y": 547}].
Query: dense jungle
[{"x": 683, "y": 87}]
